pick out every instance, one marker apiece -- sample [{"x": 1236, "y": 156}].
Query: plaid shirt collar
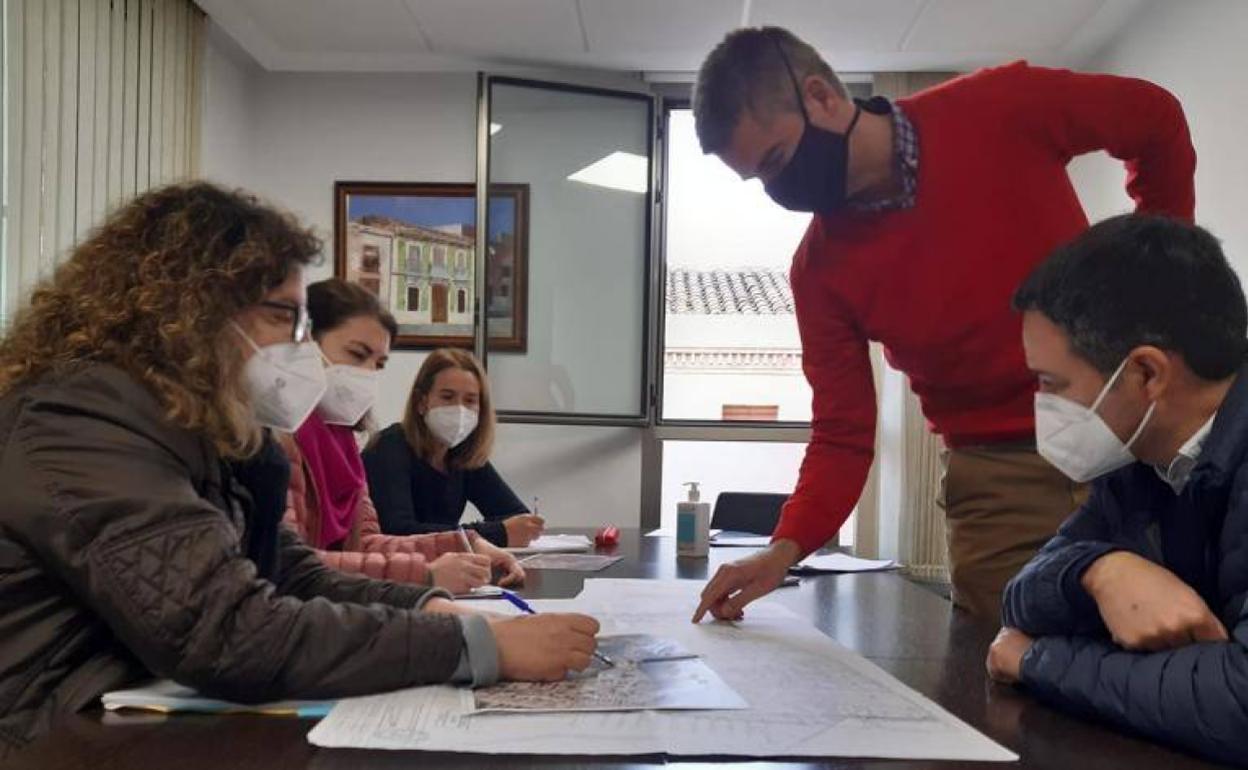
[{"x": 905, "y": 155}]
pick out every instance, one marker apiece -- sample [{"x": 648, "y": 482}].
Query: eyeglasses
[{"x": 300, "y": 322}]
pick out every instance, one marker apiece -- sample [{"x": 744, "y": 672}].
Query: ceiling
[{"x": 662, "y": 37}]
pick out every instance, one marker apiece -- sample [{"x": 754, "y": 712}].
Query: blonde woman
[
  {"x": 425, "y": 470},
  {"x": 141, "y": 497},
  {"x": 330, "y": 506}
]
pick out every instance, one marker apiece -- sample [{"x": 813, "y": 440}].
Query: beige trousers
[{"x": 1001, "y": 503}]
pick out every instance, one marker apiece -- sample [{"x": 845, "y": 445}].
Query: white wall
[
  {"x": 289, "y": 137},
  {"x": 1197, "y": 50},
  {"x": 728, "y": 330},
  {"x": 702, "y": 395},
  {"x": 229, "y": 114}
]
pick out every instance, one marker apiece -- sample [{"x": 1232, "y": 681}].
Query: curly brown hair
[{"x": 152, "y": 291}]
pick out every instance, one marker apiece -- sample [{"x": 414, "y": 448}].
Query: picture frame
[{"x": 413, "y": 244}]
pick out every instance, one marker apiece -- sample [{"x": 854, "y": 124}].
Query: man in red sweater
[{"x": 929, "y": 212}]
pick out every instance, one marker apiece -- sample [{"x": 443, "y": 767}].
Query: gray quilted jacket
[{"x": 120, "y": 558}]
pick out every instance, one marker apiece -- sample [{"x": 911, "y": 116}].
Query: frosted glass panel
[{"x": 584, "y": 159}]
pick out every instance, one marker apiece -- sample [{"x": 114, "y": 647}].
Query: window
[
  {"x": 439, "y": 256},
  {"x": 413, "y": 297},
  {"x": 732, "y": 466},
  {"x": 584, "y": 354},
  {"x": 370, "y": 259},
  {"x": 461, "y": 301},
  {"x": 730, "y": 334}
]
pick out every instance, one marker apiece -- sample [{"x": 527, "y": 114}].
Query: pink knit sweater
[{"x": 401, "y": 558}]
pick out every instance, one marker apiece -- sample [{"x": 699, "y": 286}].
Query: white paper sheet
[
  {"x": 556, "y": 544},
  {"x": 808, "y": 697},
  {"x": 572, "y": 562},
  {"x": 742, "y": 541},
  {"x": 840, "y": 562},
  {"x": 672, "y": 533}
]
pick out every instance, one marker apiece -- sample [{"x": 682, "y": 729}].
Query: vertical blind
[
  {"x": 101, "y": 102},
  {"x": 898, "y": 514}
]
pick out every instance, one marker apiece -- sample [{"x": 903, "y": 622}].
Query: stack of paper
[
  {"x": 840, "y": 562},
  {"x": 573, "y": 562},
  {"x": 167, "y": 696},
  {"x": 556, "y": 544}
]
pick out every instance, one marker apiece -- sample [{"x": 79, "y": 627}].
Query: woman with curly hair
[
  {"x": 140, "y": 495},
  {"x": 330, "y": 506}
]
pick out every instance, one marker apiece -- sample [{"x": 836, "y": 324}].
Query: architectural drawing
[
  {"x": 807, "y": 696},
  {"x": 649, "y": 673}
]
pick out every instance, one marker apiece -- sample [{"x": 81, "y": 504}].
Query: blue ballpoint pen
[{"x": 524, "y": 607}]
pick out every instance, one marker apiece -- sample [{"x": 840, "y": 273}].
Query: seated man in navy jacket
[{"x": 1134, "y": 613}]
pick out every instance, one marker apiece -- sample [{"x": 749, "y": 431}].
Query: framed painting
[{"x": 413, "y": 244}]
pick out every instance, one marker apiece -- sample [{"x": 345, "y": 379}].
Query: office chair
[{"x": 754, "y": 512}]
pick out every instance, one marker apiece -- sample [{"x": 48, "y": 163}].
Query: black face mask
[{"x": 815, "y": 178}]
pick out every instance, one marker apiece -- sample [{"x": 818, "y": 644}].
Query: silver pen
[{"x": 463, "y": 539}]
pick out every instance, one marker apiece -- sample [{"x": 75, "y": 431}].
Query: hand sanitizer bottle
[{"x": 693, "y": 524}]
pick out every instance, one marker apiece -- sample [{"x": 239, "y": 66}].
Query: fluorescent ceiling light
[
  {"x": 618, "y": 171},
  {"x": 495, "y": 128}
]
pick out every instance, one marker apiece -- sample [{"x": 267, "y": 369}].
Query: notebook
[
  {"x": 556, "y": 544},
  {"x": 167, "y": 696}
]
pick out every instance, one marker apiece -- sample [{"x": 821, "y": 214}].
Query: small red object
[{"x": 607, "y": 536}]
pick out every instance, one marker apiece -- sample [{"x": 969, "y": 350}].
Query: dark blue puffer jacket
[{"x": 1194, "y": 697}]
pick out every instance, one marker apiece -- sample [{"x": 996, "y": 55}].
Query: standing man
[{"x": 928, "y": 214}]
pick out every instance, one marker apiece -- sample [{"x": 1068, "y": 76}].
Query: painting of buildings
[{"x": 414, "y": 246}]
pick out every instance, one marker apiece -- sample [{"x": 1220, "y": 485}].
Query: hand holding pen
[{"x": 520, "y": 604}]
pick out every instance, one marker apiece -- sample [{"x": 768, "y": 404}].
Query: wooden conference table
[{"x": 908, "y": 631}]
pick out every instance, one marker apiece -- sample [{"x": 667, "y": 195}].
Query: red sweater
[{"x": 933, "y": 283}]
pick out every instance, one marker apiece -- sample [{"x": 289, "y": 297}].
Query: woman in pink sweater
[{"x": 328, "y": 503}]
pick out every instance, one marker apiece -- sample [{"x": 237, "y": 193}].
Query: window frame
[{"x": 643, "y": 416}]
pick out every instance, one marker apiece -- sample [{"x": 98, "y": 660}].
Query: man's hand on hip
[{"x": 741, "y": 582}]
